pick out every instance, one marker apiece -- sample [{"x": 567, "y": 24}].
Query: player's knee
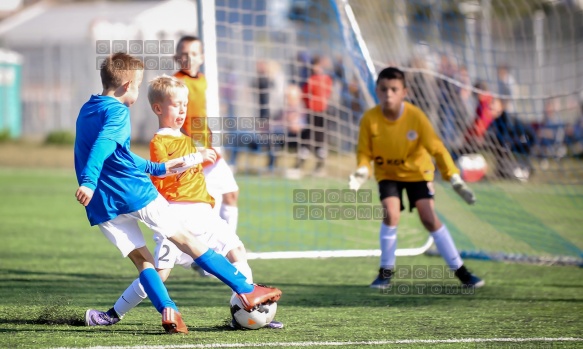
[
  {"x": 141, "y": 258},
  {"x": 188, "y": 244},
  {"x": 164, "y": 273},
  {"x": 430, "y": 222},
  {"x": 237, "y": 254},
  {"x": 391, "y": 219}
]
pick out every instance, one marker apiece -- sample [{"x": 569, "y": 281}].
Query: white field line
[{"x": 340, "y": 344}]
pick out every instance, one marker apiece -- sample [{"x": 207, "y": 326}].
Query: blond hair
[
  {"x": 164, "y": 86},
  {"x": 118, "y": 69}
]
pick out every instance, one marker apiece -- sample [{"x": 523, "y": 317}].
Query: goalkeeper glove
[
  {"x": 358, "y": 178},
  {"x": 462, "y": 189}
]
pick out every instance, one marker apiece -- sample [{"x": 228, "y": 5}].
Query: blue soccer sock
[
  {"x": 156, "y": 290},
  {"x": 220, "y": 267}
]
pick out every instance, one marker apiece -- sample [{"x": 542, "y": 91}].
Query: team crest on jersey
[{"x": 412, "y": 135}]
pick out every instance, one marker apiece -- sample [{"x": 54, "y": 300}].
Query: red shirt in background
[
  {"x": 483, "y": 119},
  {"x": 317, "y": 91}
]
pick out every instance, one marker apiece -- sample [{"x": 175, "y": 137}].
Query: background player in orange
[
  {"x": 188, "y": 197},
  {"x": 399, "y": 138},
  {"x": 221, "y": 183}
]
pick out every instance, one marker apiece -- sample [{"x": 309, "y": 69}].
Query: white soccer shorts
[
  {"x": 219, "y": 180},
  {"x": 124, "y": 232},
  {"x": 200, "y": 220}
]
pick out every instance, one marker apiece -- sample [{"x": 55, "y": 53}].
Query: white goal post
[{"x": 208, "y": 33}]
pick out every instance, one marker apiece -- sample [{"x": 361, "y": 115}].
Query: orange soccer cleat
[
  {"x": 172, "y": 321},
  {"x": 260, "y": 294}
]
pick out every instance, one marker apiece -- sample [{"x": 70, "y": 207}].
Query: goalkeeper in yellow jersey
[{"x": 398, "y": 137}]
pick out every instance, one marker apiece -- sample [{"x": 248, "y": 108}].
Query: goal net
[{"x": 499, "y": 80}]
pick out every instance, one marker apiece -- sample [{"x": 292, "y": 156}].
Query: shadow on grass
[{"x": 188, "y": 291}]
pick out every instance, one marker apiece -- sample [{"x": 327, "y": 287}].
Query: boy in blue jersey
[{"x": 117, "y": 193}]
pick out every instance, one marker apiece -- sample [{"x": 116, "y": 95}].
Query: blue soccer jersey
[{"x": 104, "y": 162}]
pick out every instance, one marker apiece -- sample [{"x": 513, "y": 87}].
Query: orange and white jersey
[
  {"x": 188, "y": 186},
  {"x": 402, "y": 149}
]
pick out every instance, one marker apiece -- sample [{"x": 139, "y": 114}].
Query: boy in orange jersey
[
  {"x": 220, "y": 180},
  {"x": 400, "y": 140},
  {"x": 186, "y": 193}
]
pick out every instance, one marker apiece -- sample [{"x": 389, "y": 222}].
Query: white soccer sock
[
  {"x": 130, "y": 298},
  {"x": 446, "y": 248},
  {"x": 388, "y": 242},
  {"x": 245, "y": 269},
  {"x": 231, "y": 215}
]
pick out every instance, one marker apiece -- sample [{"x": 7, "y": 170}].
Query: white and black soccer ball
[{"x": 259, "y": 317}]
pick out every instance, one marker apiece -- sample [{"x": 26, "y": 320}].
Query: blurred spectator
[
  {"x": 229, "y": 92},
  {"x": 339, "y": 71},
  {"x": 278, "y": 87},
  {"x": 286, "y": 125},
  {"x": 483, "y": 113},
  {"x": 263, "y": 84},
  {"x": 293, "y": 116},
  {"x": 551, "y": 133},
  {"x": 289, "y": 123},
  {"x": 507, "y": 87},
  {"x": 475, "y": 134},
  {"x": 465, "y": 93},
  {"x": 300, "y": 70},
  {"x": 267, "y": 87},
  {"x": 446, "y": 66},
  {"x": 350, "y": 114},
  {"x": 354, "y": 100},
  {"x": 574, "y": 138},
  {"x": 449, "y": 102},
  {"x": 422, "y": 88},
  {"x": 514, "y": 140},
  {"x": 317, "y": 92}
]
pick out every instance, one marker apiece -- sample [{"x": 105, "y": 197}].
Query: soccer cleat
[
  {"x": 383, "y": 280},
  {"x": 99, "y": 318},
  {"x": 468, "y": 279},
  {"x": 260, "y": 294},
  {"x": 172, "y": 321},
  {"x": 274, "y": 325},
  {"x": 474, "y": 282}
]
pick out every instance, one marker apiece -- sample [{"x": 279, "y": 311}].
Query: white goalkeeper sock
[
  {"x": 130, "y": 298},
  {"x": 388, "y": 242},
  {"x": 446, "y": 248},
  {"x": 245, "y": 269},
  {"x": 231, "y": 215}
]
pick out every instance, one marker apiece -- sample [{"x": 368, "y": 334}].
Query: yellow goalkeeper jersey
[
  {"x": 189, "y": 186},
  {"x": 402, "y": 149}
]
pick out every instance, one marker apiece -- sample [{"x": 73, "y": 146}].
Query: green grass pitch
[{"x": 53, "y": 266}]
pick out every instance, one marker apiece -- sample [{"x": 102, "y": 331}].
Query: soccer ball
[{"x": 259, "y": 317}]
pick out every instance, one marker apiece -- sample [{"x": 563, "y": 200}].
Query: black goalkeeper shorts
[{"x": 415, "y": 191}]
